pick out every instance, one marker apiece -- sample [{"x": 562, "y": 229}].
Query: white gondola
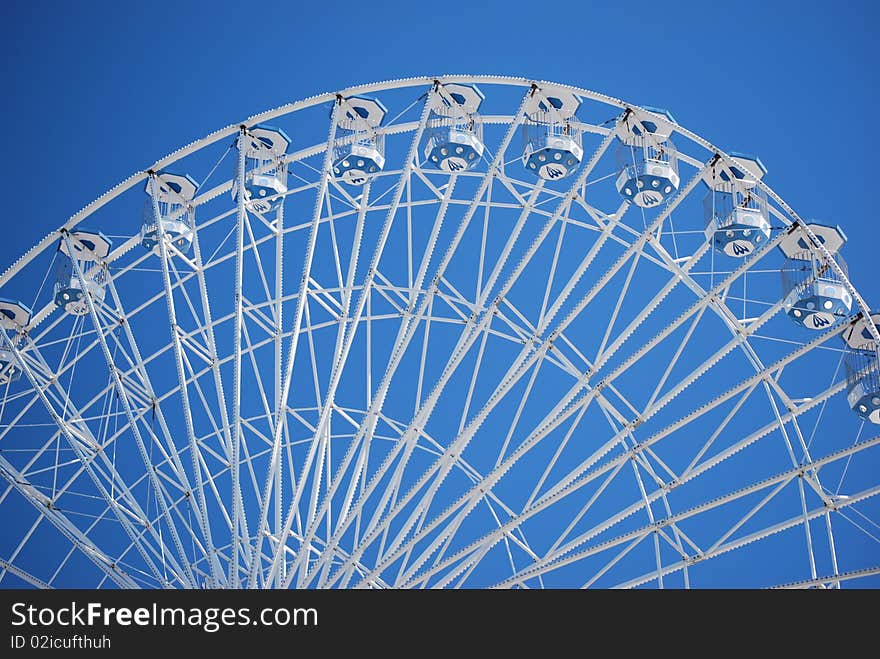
[
  {"x": 359, "y": 148},
  {"x": 174, "y": 194},
  {"x": 266, "y": 172},
  {"x": 647, "y": 158},
  {"x": 88, "y": 247},
  {"x": 14, "y": 318},
  {"x": 735, "y": 209},
  {"x": 552, "y": 146},
  {"x": 454, "y": 132},
  {"x": 863, "y": 383},
  {"x": 858, "y": 334},
  {"x": 816, "y": 296},
  {"x": 10, "y": 371}
]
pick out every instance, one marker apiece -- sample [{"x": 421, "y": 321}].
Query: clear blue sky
[{"x": 97, "y": 90}]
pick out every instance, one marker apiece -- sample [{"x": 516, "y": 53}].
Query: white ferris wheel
[{"x": 467, "y": 331}]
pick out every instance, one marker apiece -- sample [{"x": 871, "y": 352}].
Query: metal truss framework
[{"x": 479, "y": 379}]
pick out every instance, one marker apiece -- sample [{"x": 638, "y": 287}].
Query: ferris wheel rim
[{"x": 397, "y": 83}]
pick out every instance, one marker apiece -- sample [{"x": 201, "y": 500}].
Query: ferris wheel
[{"x": 466, "y": 331}]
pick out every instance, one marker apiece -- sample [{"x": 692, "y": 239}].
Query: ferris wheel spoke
[
  {"x": 22, "y": 543},
  {"x": 249, "y": 349},
  {"x": 220, "y": 452},
  {"x": 831, "y": 547},
  {"x": 487, "y": 546},
  {"x": 832, "y": 580},
  {"x": 395, "y": 298},
  {"x": 646, "y": 506},
  {"x": 24, "y": 576},
  {"x": 528, "y": 356},
  {"x": 580, "y": 477},
  {"x": 364, "y": 450},
  {"x": 344, "y": 197},
  {"x": 124, "y": 394},
  {"x": 92, "y": 459},
  {"x": 473, "y": 496},
  {"x": 238, "y": 523},
  {"x": 169, "y": 451},
  {"x": 465, "y": 342},
  {"x": 487, "y": 542},
  {"x": 734, "y": 411},
  {"x": 797, "y": 470},
  {"x": 807, "y": 531},
  {"x": 532, "y": 195},
  {"x": 563, "y": 555},
  {"x": 32, "y": 402},
  {"x": 196, "y": 339},
  {"x": 67, "y": 528},
  {"x": 739, "y": 338},
  {"x": 274, "y": 471},
  {"x": 86, "y": 532},
  {"x": 612, "y": 319},
  {"x": 578, "y": 472},
  {"x": 475, "y": 558},
  {"x": 461, "y": 572},
  {"x": 782, "y": 430},
  {"x": 450, "y": 532},
  {"x": 484, "y": 236},
  {"x": 254, "y": 431},
  {"x": 751, "y": 513},
  {"x": 439, "y": 190},
  {"x": 408, "y": 328},
  {"x": 339, "y": 362},
  {"x": 331, "y": 230},
  {"x": 207, "y": 353},
  {"x": 396, "y": 477},
  {"x": 201, "y": 503},
  {"x": 319, "y": 440},
  {"x": 760, "y": 535},
  {"x": 624, "y": 336},
  {"x": 610, "y": 564},
  {"x": 471, "y": 334},
  {"x": 747, "y": 386},
  {"x": 79, "y": 439},
  {"x": 601, "y": 225},
  {"x": 804, "y": 447},
  {"x": 868, "y": 533},
  {"x": 675, "y": 357},
  {"x": 254, "y": 249},
  {"x": 737, "y": 327}
]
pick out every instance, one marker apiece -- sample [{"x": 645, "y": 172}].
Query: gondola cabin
[
  {"x": 359, "y": 148},
  {"x": 816, "y": 296},
  {"x": 80, "y": 249},
  {"x": 552, "y": 145},
  {"x": 168, "y": 211},
  {"x": 265, "y": 181},
  {"x": 454, "y": 132},
  {"x": 735, "y": 209},
  {"x": 647, "y": 158}
]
